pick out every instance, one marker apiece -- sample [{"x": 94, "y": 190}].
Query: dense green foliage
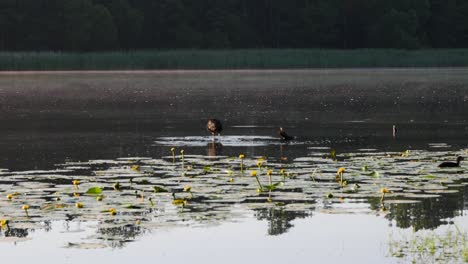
[
  {"x": 93, "y": 25},
  {"x": 233, "y": 59}
]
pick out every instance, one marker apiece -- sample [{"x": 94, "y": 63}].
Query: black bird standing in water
[
  {"x": 214, "y": 126},
  {"x": 449, "y": 164},
  {"x": 284, "y": 135}
]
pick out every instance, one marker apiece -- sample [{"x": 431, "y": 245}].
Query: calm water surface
[{"x": 51, "y": 118}]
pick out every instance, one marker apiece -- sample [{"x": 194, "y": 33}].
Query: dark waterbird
[
  {"x": 214, "y": 126},
  {"x": 449, "y": 164},
  {"x": 284, "y": 135}
]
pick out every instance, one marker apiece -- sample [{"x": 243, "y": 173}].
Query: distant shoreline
[
  {"x": 424, "y": 70},
  {"x": 248, "y": 59}
]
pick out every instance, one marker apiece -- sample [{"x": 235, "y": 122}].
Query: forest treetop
[{"x": 87, "y": 25}]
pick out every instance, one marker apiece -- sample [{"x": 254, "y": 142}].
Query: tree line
[{"x": 94, "y": 25}]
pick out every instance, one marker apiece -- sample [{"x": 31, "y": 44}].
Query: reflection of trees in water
[
  {"x": 427, "y": 214},
  {"x": 17, "y": 232},
  {"x": 279, "y": 220},
  {"x": 47, "y": 225},
  {"x": 117, "y": 236}
]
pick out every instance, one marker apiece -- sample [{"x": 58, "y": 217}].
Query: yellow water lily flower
[
  {"x": 282, "y": 171},
  {"x": 181, "y": 202},
  {"x": 112, "y": 211},
  {"x": 187, "y": 188},
  {"x": 76, "y": 182},
  {"x": 259, "y": 164},
  {"x": 384, "y": 190},
  {"x": 25, "y": 207},
  {"x": 241, "y": 156},
  {"x": 9, "y": 196},
  {"x": 76, "y": 194},
  {"x": 4, "y": 222},
  {"x": 135, "y": 167},
  {"x": 231, "y": 179},
  {"x": 253, "y": 173},
  {"x": 340, "y": 170},
  {"x": 79, "y": 205},
  {"x": 182, "y": 151},
  {"x": 172, "y": 149},
  {"x": 269, "y": 172}
]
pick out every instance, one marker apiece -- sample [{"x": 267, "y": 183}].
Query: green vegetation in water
[
  {"x": 431, "y": 247},
  {"x": 233, "y": 59},
  {"x": 94, "y": 191},
  {"x": 208, "y": 195}
]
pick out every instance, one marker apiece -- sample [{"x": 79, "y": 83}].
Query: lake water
[{"x": 97, "y": 126}]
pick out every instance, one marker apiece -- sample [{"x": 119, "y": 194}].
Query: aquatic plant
[
  {"x": 158, "y": 189},
  {"x": 188, "y": 189},
  {"x": 339, "y": 174},
  {"x": 183, "y": 166},
  {"x": 383, "y": 191},
  {"x": 79, "y": 205},
  {"x": 25, "y": 209},
  {"x": 242, "y": 157},
  {"x": 283, "y": 173},
  {"x": 76, "y": 183},
  {"x": 178, "y": 201},
  {"x": 405, "y": 153},
  {"x": 233, "y": 59},
  {"x": 431, "y": 246},
  {"x": 313, "y": 174},
  {"x": 4, "y": 224},
  {"x": 270, "y": 187},
  {"x": 173, "y": 154},
  {"x": 259, "y": 164},
  {"x": 254, "y": 174},
  {"x": 94, "y": 191},
  {"x": 333, "y": 154},
  {"x": 215, "y": 193}
]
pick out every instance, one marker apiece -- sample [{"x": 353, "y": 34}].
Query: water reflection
[
  {"x": 429, "y": 213},
  {"x": 217, "y": 196},
  {"x": 99, "y": 117},
  {"x": 279, "y": 219},
  {"x": 118, "y": 236},
  {"x": 214, "y": 149},
  {"x": 16, "y": 232}
]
